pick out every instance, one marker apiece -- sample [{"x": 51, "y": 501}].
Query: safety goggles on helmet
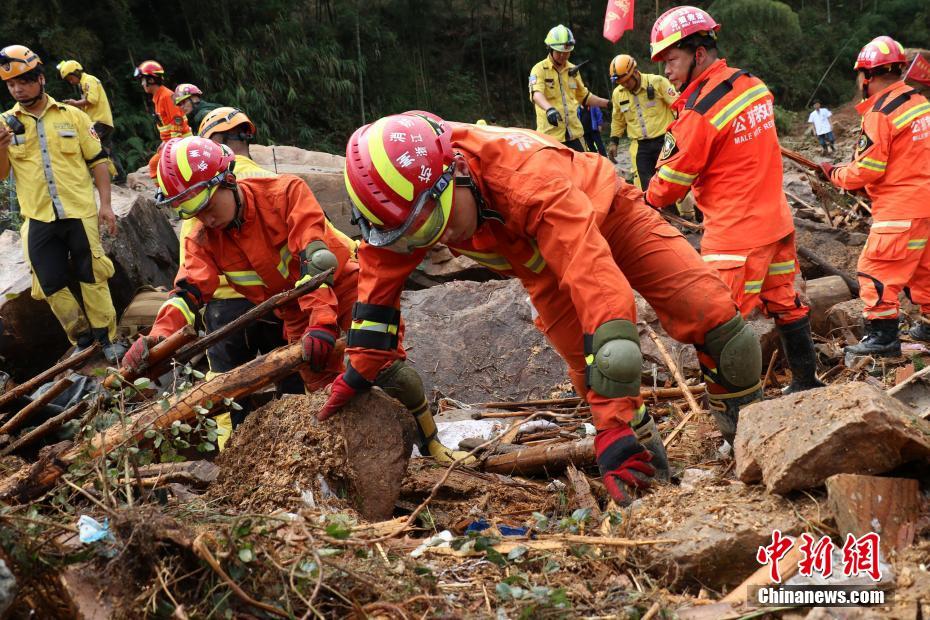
[
  {"x": 192, "y": 200},
  {"x": 425, "y": 223}
]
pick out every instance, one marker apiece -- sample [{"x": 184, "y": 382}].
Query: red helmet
[
  {"x": 399, "y": 175},
  {"x": 185, "y": 91},
  {"x": 677, "y": 24},
  {"x": 149, "y": 68},
  {"x": 878, "y": 52},
  {"x": 189, "y": 171}
]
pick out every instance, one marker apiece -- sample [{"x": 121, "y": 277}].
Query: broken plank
[
  {"x": 581, "y": 487},
  {"x": 887, "y": 506},
  {"x": 38, "y": 403}
]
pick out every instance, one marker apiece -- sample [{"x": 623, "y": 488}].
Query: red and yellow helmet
[
  {"x": 879, "y": 52},
  {"x": 185, "y": 91},
  {"x": 677, "y": 24},
  {"x": 399, "y": 176},
  {"x": 16, "y": 60},
  {"x": 225, "y": 119},
  {"x": 149, "y": 68},
  {"x": 190, "y": 170}
]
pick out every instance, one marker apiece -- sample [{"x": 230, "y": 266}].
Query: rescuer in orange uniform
[
  {"x": 723, "y": 146},
  {"x": 169, "y": 119},
  {"x": 578, "y": 238},
  {"x": 265, "y": 235},
  {"x": 892, "y": 164}
]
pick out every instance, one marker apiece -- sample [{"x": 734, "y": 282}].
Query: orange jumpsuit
[
  {"x": 171, "y": 123},
  {"x": 578, "y": 238},
  {"x": 280, "y": 217},
  {"x": 892, "y": 163},
  {"x": 724, "y": 147}
]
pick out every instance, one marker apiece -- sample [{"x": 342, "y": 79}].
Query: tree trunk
[{"x": 548, "y": 458}]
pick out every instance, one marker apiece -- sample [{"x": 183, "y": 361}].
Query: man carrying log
[
  {"x": 892, "y": 164},
  {"x": 723, "y": 146},
  {"x": 579, "y": 239}
]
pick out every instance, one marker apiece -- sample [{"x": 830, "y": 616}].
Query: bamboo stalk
[{"x": 159, "y": 354}]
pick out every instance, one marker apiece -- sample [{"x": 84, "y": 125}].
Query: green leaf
[
  {"x": 246, "y": 555},
  {"x": 236, "y": 406},
  {"x": 516, "y": 552},
  {"x": 164, "y": 404},
  {"x": 504, "y": 591},
  {"x": 581, "y": 515},
  {"x": 184, "y": 428},
  {"x": 197, "y": 374},
  {"x": 150, "y": 433},
  {"x": 142, "y": 383}
]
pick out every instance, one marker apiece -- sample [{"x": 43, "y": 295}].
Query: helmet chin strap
[
  {"x": 691, "y": 69},
  {"x": 28, "y": 103}
]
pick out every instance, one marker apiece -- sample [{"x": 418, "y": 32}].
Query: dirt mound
[{"x": 282, "y": 458}]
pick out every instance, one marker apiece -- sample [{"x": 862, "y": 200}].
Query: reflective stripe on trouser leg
[
  {"x": 66, "y": 309},
  {"x": 98, "y": 304}
]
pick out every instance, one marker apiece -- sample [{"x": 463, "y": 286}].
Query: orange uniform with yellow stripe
[
  {"x": 172, "y": 123},
  {"x": 578, "y": 238},
  {"x": 724, "y": 147},
  {"x": 262, "y": 257},
  {"x": 892, "y": 164}
]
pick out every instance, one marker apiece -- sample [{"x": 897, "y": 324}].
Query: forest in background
[{"x": 310, "y": 71}]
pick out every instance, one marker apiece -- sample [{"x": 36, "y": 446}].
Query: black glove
[{"x": 554, "y": 117}]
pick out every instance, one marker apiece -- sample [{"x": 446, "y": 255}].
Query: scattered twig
[
  {"x": 203, "y": 553},
  {"x": 673, "y": 367}
]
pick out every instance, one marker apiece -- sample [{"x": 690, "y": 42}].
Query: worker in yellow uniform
[
  {"x": 54, "y": 152},
  {"x": 641, "y": 110},
  {"x": 557, "y": 90},
  {"x": 95, "y": 104}
]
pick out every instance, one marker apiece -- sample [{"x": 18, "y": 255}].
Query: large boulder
[
  {"x": 476, "y": 342},
  {"x": 321, "y": 171},
  {"x": 798, "y": 441},
  {"x": 144, "y": 252}
]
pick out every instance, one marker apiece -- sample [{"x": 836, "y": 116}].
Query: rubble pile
[{"x": 124, "y": 506}]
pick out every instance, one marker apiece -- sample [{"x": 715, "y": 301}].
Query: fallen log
[
  {"x": 49, "y": 426},
  {"x": 24, "y": 388},
  {"x": 547, "y": 458},
  {"x": 823, "y": 294},
  {"x": 183, "y": 349},
  {"x": 242, "y": 381},
  {"x": 40, "y": 401},
  {"x": 158, "y": 355},
  {"x": 830, "y": 268},
  {"x": 272, "y": 303}
]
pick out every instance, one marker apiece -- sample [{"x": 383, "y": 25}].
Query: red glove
[
  {"x": 624, "y": 463},
  {"x": 137, "y": 356},
  {"x": 827, "y": 169},
  {"x": 340, "y": 394},
  {"x": 318, "y": 343}
]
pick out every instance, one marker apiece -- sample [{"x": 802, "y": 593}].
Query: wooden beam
[{"x": 44, "y": 377}]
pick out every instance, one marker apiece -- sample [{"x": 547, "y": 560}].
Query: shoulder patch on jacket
[
  {"x": 864, "y": 143},
  {"x": 669, "y": 146},
  {"x": 532, "y": 79}
]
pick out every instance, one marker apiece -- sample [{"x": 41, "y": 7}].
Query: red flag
[
  {"x": 919, "y": 70},
  {"x": 618, "y": 19}
]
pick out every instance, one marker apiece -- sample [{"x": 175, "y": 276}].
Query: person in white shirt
[{"x": 820, "y": 119}]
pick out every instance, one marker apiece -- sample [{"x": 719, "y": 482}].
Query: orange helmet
[
  {"x": 16, "y": 60},
  {"x": 399, "y": 176},
  {"x": 622, "y": 67},
  {"x": 190, "y": 170},
  {"x": 676, "y": 25},
  {"x": 149, "y": 68},
  {"x": 879, "y": 52},
  {"x": 185, "y": 91},
  {"x": 225, "y": 119}
]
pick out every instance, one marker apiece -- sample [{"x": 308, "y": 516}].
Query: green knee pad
[
  {"x": 614, "y": 359},
  {"x": 736, "y": 350},
  {"x": 402, "y": 382},
  {"x": 317, "y": 258}
]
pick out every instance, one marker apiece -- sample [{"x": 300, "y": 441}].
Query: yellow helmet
[
  {"x": 225, "y": 119},
  {"x": 560, "y": 39},
  {"x": 16, "y": 60},
  {"x": 67, "y": 67},
  {"x": 622, "y": 67}
]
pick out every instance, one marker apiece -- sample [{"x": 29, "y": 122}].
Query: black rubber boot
[
  {"x": 113, "y": 351},
  {"x": 921, "y": 330},
  {"x": 798, "y": 347},
  {"x": 725, "y": 409},
  {"x": 881, "y": 339}
]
